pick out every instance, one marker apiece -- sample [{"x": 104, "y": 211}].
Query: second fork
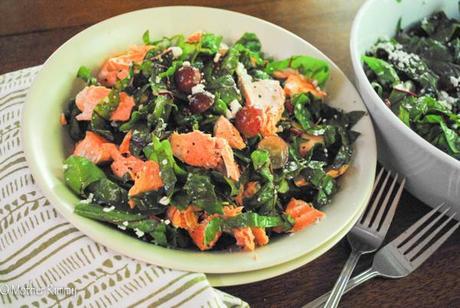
[{"x": 369, "y": 232}]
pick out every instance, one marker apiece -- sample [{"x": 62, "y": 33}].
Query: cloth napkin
[{"x": 46, "y": 262}]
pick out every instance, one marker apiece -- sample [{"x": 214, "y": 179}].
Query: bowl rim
[
  {"x": 359, "y": 72},
  {"x": 79, "y": 222}
]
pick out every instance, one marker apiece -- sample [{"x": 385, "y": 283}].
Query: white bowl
[
  {"x": 45, "y": 150},
  {"x": 432, "y": 175}
]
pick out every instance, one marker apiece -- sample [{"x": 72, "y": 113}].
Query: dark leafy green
[
  {"x": 417, "y": 74},
  {"x": 196, "y": 195}
]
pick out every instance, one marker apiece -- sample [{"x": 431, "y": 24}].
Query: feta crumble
[
  {"x": 176, "y": 51},
  {"x": 455, "y": 81},
  {"x": 108, "y": 209},
  {"x": 164, "y": 200},
  {"x": 234, "y": 107},
  {"x": 138, "y": 232},
  {"x": 199, "y": 88}
]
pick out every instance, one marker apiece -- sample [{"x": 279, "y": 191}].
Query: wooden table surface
[{"x": 31, "y": 30}]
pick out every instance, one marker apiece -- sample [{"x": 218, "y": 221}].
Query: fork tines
[
  {"x": 419, "y": 241},
  {"x": 379, "y": 215}
]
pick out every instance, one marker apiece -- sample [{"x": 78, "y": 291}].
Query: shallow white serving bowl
[
  {"x": 432, "y": 175},
  {"x": 46, "y": 142}
]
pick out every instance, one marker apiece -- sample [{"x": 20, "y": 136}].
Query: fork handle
[
  {"x": 353, "y": 282},
  {"x": 341, "y": 283}
]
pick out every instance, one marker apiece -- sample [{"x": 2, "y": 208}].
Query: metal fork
[
  {"x": 406, "y": 253},
  {"x": 369, "y": 232}
]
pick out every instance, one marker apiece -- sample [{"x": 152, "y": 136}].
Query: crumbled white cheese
[
  {"x": 244, "y": 77},
  {"x": 446, "y": 100},
  {"x": 223, "y": 48},
  {"x": 121, "y": 227},
  {"x": 455, "y": 81},
  {"x": 108, "y": 209},
  {"x": 176, "y": 51},
  {"x": 234, "y": 107},
  {"x": 186, "y": 63},
  {"x": 386, "y": 45},
  {"x": 138, "y": 232},
  {"x": 199, "y": 88},
  {"x": 125, "y": 223},
  {"x": 403, "y": 59},
  {"x": 167, "y": 222},
  {"x": 217, "y": 57},
  {"x": 164, "y": 162},
  {"x": 164, "y": 200},
  {"x": 89, "y": 199}
]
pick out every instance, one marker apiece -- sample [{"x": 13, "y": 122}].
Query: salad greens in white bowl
[
  {"x": 410, "y": 90},
  {"x": 48, "y": 144}
]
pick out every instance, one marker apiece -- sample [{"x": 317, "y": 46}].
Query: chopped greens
[
  {"x": 170, "y": 149},
  {"x": 417, "y": 73}
]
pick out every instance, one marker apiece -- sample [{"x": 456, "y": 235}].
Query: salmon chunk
[
  {"x": 228, "y": 166},
  {"x": 126, "y": 164},
  {"x": 91, "y": 96},
  {"x": 201, "y": 150},
  {"x": 244, "y": 238},
  {"x": 303, "y": 213},
  {"x": 87, "y": 99},
  {"x": 198, "y": 235},
  {"x": 223, "y": 128},
  {"x": 124, "y": 146},
  {"x": 123, "y": 111},
  {"x": 196, "y": 149},
  {"x": 95, "y": 148},
  {"x": 186, "y": 219},
  {"x": 260, "y": 236},
  {"x": 117, "y": 68},
  {"x": 297, "y": 83},
  {"x": 147, "y": 179}
]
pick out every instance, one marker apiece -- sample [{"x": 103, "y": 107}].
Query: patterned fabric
[{"x": 46, "y": 262}]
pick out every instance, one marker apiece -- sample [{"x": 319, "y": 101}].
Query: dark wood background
[{"x": 30, "y": 30}]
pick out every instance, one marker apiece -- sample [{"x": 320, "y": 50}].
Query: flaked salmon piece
[
  {"x": 124, "y": 145},
  {"x": 232, "y": 211},
  {"x": 308, "y": 143},
  {"x": 95, "y": 148},
  {"x": 147, "y": 179},
  {"x": 62, "y": 119},
  {"x": 297, "y": 83},
  {"x": 247, "y": 191},
  {"x": 260, "y": 236},
  {"x": 198, "y": 235},
  {"x": 244, "y": 238},
  {"x": 228, "y": 166},
  {"x": 303, "y": 213},
  {"x": 201, "y": 150},
  {"x": 266, "y": 95},
  {"x": 196, "y": 149},
  {"x": 223, "y": 128},
  {"x": 335, "y": 173},
  {"x": 88, "y": 98},
  {"x": 126, "y": 164},
  {"x": 117, "y": 68},
  {"x": 195, "y": 37},
  {"x": 124, "y": 108},
  {"x": 186, "y": 219}
]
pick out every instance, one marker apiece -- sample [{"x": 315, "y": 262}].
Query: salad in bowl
[{"x": 187, "y": 142}]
